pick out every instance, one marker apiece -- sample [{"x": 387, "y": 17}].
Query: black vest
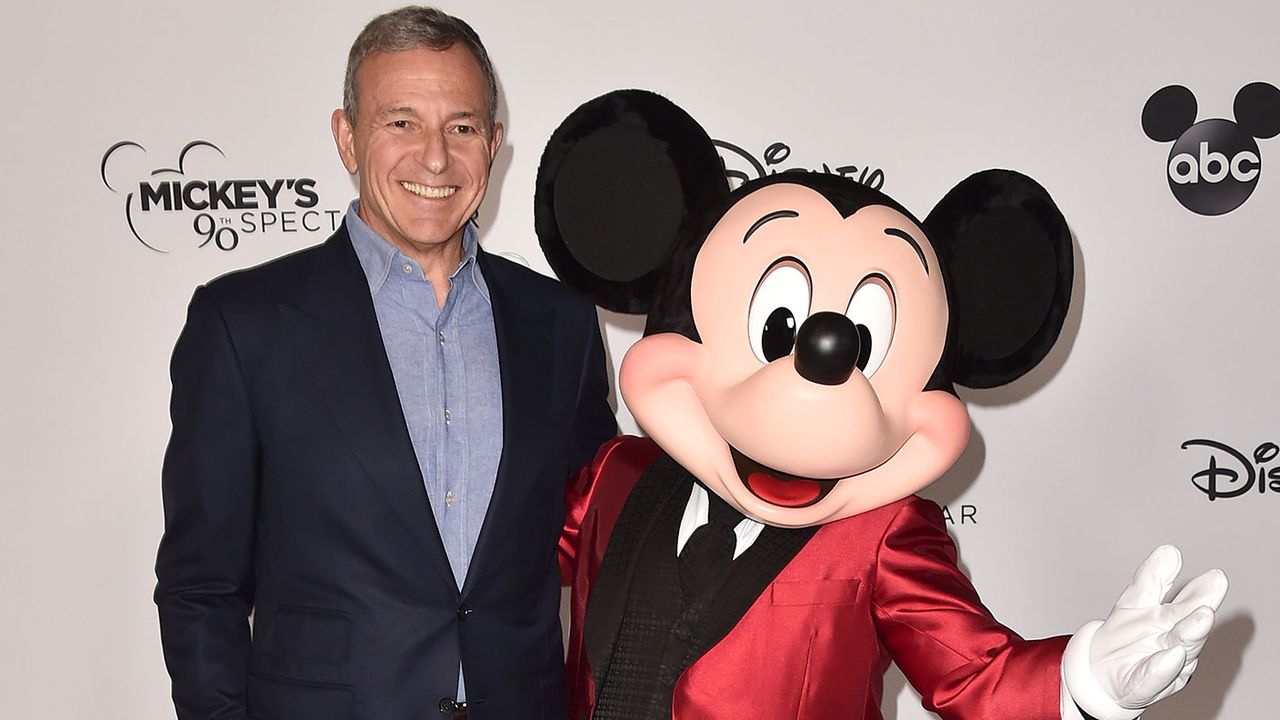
[{"x": 641, "y": 631}]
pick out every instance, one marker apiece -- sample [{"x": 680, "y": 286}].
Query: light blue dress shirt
[{"x": 445, "y": 364}]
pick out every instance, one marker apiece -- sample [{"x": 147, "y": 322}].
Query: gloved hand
[{"x": 1146, "y": 649}]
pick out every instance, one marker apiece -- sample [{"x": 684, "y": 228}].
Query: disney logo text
[
  {"x": 1230, "y": 473},
  {"x": 741, "y": 166}
]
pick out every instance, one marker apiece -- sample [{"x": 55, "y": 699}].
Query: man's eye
[
  {"x": 463, "y": 129},
  {"x": 400, "y": 124}
]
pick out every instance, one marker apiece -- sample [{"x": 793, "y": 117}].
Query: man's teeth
[{"x": 427, "y": 191}]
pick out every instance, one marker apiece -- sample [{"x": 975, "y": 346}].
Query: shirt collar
[
  {"x": 377, "y": 256},
  {"x": 695, "y": 516}
]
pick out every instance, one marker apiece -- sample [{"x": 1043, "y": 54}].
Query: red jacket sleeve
[
  {"x": 594, "y": 500},
  {"x": 602, "y": 486},
  {"x": 963, "y": 662}
]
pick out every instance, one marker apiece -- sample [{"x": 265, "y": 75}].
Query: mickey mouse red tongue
[{"x": 776, "y": 487}]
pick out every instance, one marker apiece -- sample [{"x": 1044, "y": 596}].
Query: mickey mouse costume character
[{"x": 764, "y": 554}]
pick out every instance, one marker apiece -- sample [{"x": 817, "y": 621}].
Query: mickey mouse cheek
[{"x": 936, "y": 430}]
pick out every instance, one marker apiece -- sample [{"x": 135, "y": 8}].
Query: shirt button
[
  {"x": 441, "y": 336},
  {"x": 447, "y": 416},
  {"x": 408, "y": 268},
  {"x": 448, "y": 499}
]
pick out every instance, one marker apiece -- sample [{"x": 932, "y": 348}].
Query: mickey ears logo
[
  {"x": 1214, "y": 164},
  {"x": 138, "y": 187},
  {"x": 194, "y": 205}
]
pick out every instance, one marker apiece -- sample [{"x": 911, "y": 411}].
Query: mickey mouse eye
[
  {"x": 779, "y": 305},
  {"x": 871, "y": 311}
]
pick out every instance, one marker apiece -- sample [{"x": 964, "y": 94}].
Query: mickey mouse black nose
[{"x": 827, "y": 347}]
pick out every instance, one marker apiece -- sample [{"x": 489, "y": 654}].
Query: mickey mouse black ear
[
  {"x": 1168, "y": 113},
  {"x": 1257, "y": 109},
  {"x": 1006, "y": 252},
  {"x": 619, "y": 183}
]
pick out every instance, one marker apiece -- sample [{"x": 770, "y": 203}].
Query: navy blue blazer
[{"x": 291, "y": 490}]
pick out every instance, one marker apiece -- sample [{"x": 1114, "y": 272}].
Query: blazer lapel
[
  {"x": 752, "y": 572},
  {"x": 336, "y": 331},
  {"x": 522, "y": 326}
]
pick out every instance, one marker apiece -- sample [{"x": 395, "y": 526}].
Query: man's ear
[
  {"x": 344, "y": 138},
  {"x": 495, "y": 141}
]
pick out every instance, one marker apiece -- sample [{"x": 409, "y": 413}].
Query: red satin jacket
[{"x": 866, "y": 590}]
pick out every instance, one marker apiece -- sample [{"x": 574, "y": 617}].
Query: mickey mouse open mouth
[{"x": 777, "y": 487}]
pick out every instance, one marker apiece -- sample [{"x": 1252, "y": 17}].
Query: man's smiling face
[{"x": 422, "y": 144}]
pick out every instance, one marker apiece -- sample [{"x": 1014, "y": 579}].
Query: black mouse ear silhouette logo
[
  {"x": 1257, "y": 110},
  {"x": 1168, "y": 113},
  {"x": 1214, "y": 164}
]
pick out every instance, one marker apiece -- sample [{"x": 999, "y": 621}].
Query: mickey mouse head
[
  {"x": 804, "y": 332},
  {"x": 1214, "y": 164}
]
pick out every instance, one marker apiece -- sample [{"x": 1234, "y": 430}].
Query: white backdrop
[{"x": 1075, "y": 473}]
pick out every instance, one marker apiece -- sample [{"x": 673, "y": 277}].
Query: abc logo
[{"x": 1214, "y": 164}]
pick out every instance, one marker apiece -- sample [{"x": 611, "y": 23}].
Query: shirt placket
[{"x": 453, "y": 495}]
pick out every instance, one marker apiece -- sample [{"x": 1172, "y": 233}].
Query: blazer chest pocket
[
  {"x": 814, "y": 592},
  {"x": 304, "y": 633}
]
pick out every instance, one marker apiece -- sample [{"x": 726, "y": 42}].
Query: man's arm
[
  {"x": 204, "y": 567},
  {"x": 593, "y": 425},
  {"x": 594, "y": 422}
]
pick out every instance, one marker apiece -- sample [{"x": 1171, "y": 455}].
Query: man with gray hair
[{"x": 371, "y": 437}]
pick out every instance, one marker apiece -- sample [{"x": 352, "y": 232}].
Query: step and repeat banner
[{"x": 153, "y": 146}]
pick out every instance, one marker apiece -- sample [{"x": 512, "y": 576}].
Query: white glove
[{"x": 1146, "y": 649}]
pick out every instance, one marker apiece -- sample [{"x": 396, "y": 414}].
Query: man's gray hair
[{"x": 409, "y": 28}]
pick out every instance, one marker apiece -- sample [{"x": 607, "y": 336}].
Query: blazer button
[
  {"x": 463, "y": 612},
  {"x": 667, "y": 676},
  {"x": 681, "y": 631},
  {"x": 448, "y": 705}
]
